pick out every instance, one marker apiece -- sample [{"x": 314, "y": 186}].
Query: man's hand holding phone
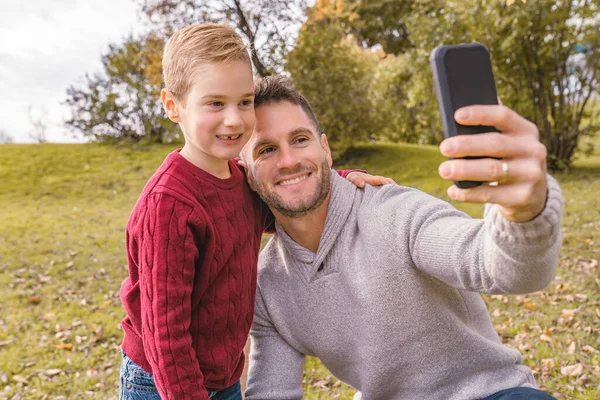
[{"x": 519, "y": 163}]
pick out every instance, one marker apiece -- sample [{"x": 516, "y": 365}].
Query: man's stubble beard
[{"x": 274, "y": 201}]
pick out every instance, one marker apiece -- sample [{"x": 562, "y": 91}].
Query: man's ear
[
  {"x": 170, "y": 105},
  {"x": 325, "y": 145}
]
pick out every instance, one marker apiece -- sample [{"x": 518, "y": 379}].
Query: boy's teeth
[{"x": 230, "y": 137}]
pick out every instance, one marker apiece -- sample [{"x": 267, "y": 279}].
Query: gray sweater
[{"x": 390, "y": 302}]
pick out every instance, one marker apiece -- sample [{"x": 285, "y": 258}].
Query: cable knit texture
[
  {"x": 192, "y": 245},
  {"x": 389, "y": 302}
]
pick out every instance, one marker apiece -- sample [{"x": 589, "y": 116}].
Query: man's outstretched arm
[{"x": 517, "y": 248}]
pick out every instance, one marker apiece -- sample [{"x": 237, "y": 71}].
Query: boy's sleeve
[
  {"x": 276, "y": 368},
  {"x": 345, "y": 172},
  {"x": 167, "y": 254}
]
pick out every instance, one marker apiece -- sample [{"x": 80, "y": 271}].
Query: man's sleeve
[
  {"x": 492, "y": 255},
  {"x": 276, "y": 369},
  {"x": 167, "y": 266}
]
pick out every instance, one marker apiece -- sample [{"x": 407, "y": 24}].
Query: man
[{"x": 382, "y": 284}]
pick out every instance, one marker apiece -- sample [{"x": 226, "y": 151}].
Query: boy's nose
[{"x": 233, "y": 118}]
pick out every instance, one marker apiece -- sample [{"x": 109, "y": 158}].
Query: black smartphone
[{"x": 463, "y": 76}]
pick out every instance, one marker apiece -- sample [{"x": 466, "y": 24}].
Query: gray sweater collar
[{"x": 340, "y": 205}]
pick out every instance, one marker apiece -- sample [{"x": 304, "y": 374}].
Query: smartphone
[{"x": 463, "y": 77}]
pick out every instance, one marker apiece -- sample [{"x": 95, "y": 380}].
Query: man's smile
[{"x": 294, "y": 180}]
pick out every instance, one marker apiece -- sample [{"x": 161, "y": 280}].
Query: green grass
[{"x": 62, "y": 260}]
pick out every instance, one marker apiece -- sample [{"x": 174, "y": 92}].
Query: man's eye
[
  {"x": 266, "y": 150},
  {"x": 301, "y": 140}
]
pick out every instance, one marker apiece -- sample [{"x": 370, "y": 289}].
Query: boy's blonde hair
[{"x": 195, "y": 45}]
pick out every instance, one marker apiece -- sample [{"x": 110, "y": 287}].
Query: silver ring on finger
[{"x": 504, "y": 173}]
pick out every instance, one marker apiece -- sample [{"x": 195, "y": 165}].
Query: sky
[{"x": 47, "y": 46}]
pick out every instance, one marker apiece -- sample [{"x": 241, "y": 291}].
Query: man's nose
[
  {"x": 287, "y": 158},
  {"x": 233, "y": 117}
]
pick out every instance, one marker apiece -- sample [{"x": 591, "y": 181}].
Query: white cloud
[{"x": 47, "y": 46}]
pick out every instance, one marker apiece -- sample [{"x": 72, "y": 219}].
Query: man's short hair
[
  {"x": 277, "y": 88},
  {"x": 195, "y": 45}
]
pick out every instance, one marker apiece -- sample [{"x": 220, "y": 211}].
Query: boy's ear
[{"x": 170, "y": 105}]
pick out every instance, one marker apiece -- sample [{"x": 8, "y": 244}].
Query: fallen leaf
[
  {"x": 568, "y": 313},
  {"x": 322, "y": 383},
  {"x": 589, "y": 349},
  {"x": 7, "y": 342},
  {"x": 529, "y": 306},
  {"x": 545, "y": 338},
  {"x": 571, "y": 348},
  {"x": 105, "y": 304},
  {"x": 34, "y": 300},
  {"x": 64, "y": 346},
  {"x": 49, "y": 315},
  {"x": 19, "y": 378},
  {"x": 53, "y": 371},
  {"x": 523, "y": 347},
  {"x": 572, "y": 370},
  {"x": 548, "y": 363}
]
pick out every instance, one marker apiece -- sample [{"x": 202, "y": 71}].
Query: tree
[
  {"x": 5, "y": 138},
  {"x": 124, "y": 101},
  {"x": 542, "y": 72},
  {"x": 333, "y": 72},
  {"x": 39, "y": 125},
  {"x": 269, "y": 27},
  {"x": 381, "y": 22},
  {"x": 545, "y": 56},
  {"x": 396, "y": 110}
]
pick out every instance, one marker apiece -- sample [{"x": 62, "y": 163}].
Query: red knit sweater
[{"x": 192, "y": 248}]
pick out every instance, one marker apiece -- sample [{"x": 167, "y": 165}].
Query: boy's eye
[
  {"x": 247, "y": 102},
  {"x": 216, "y": 103}
]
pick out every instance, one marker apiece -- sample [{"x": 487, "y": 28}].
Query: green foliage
[
  {"x": 533, "y": 46},
  {"x": 381, "y": 22},
  {"x": 546, "y": 58},
  {"x": 334, "y": 73},
  {"x": 122, "y": 103}
]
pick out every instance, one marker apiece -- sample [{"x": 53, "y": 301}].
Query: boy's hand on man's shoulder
[{"x": 360, "y": 179}]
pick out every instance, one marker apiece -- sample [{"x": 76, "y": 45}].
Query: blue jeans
[
  {"x": 137, "y": 384},
  {"x": 520, "y": 393}
]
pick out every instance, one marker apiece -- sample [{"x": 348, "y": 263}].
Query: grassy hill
[{"x": 62, "y": 260}]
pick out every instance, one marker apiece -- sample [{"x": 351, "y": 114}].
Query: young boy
[{"x": 194, "y": 234}]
